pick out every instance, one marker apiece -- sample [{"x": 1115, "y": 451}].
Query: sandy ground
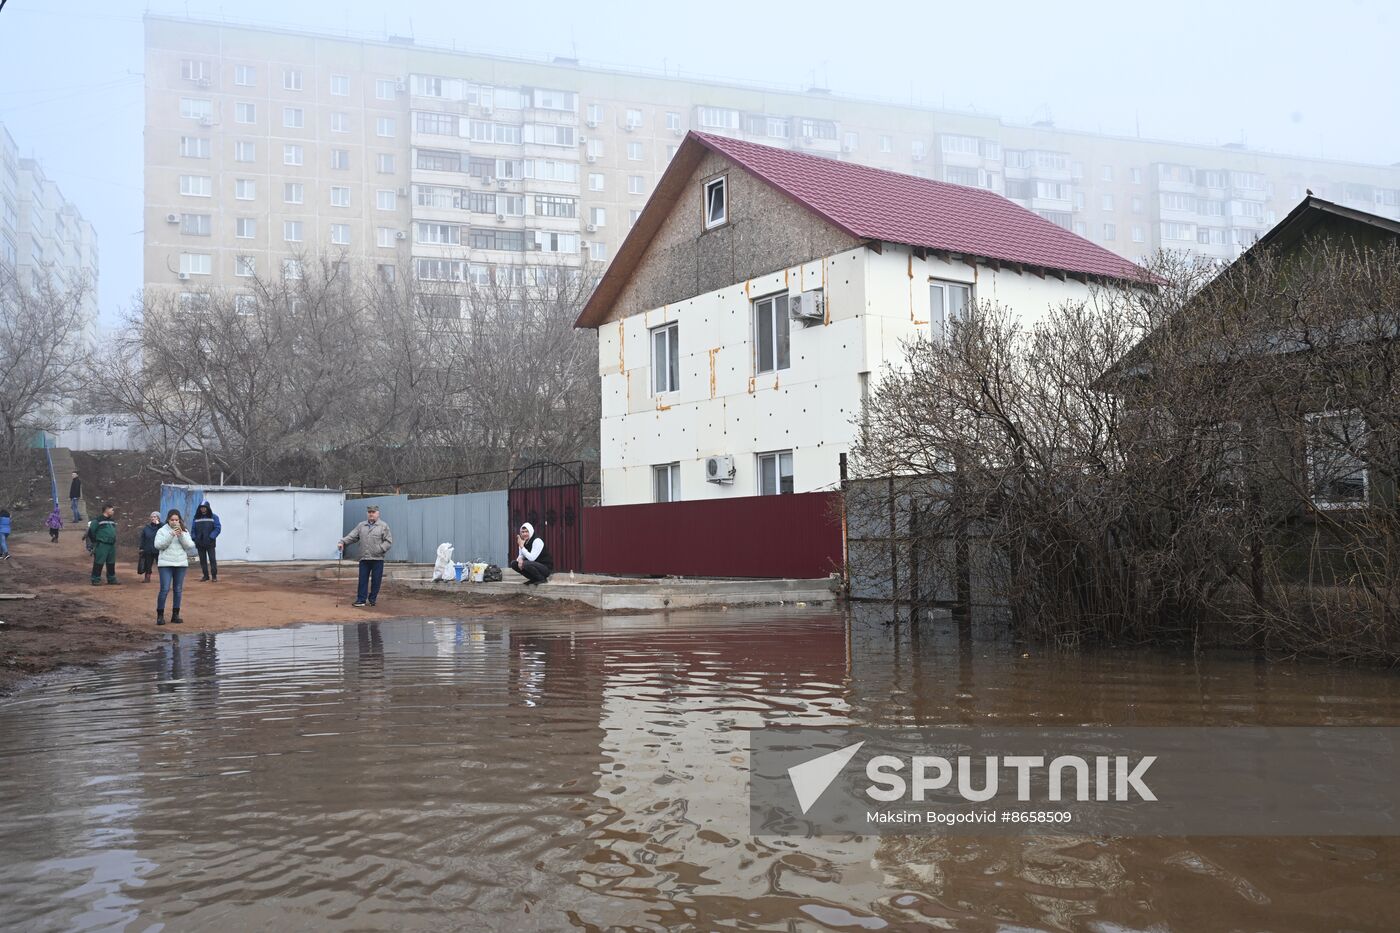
[{"x": 70, "y": 622}]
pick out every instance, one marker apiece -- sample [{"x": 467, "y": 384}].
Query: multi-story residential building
[
  {"x": 741, "y": 322},
  {"x": 41, "y": 231},
  {"x": 262, "y": 145}
]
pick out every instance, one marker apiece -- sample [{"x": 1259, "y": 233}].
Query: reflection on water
[{"x": 446, "y": 774}]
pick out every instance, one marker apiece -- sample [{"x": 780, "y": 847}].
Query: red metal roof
[{"x": 876, "y": 204}]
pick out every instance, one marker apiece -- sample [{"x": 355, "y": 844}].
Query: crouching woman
[
  {"x": 173, "y": 544},
  {"x": 532, "y": 560}
]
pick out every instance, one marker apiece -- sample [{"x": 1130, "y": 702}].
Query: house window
[
  {"x": 245, "y": 189},
  {"x": 598, "y": 216},
  {"x": 772, "y": 350},
  {"x": 340, "y": 122},
  {"x": 595, "y": 181},
  {"x": 291, "y": 231},
  {"x": 665, "y": 359},
  {"x": 199, "y": 186},
  {"x": 948, "y": 302},
  {"x": 716, "y": 203},
  {"x": 194, "y": 147},
  {"x": 245, "y": 112},
  {"x": 340, "y": 85},
  {"x": 196, "y": 108},
  {"x": 244, "y": 266},
  {"x": 340, "y": 159},
  {"x": 634, "y": 152},
  {"x": 196, "y": 263},
  {"x": 634, "y": 118},
  {"x": 1138, "y": 235},
  {"x": 340, "y": 196},
  {"x": 666, "y": 482},
  {"x": 384, "y": 88},
  {"x": 244, "y": 151},
  {"x": 340, "y": 234},
  {"x": 293, "y": 192},
  {"x": 386, "y": 199},
  {"x": 293, "y": 117},
  {"x": 1336, "y": 449},
  {"x": 385, "y": 237},
  {"x": 293, "y": 154},
  {"x": 775, "y": 473},
  {"x": 245, "y": 228},
  {"x": 673, "y": 120},
  {"x": 384, "y": 126},
  {"x": 635, "y": 184},
  {"x": 1110, "y": 231},
  {"x": 196, "y": 224},
  {"x": 597, "y": 251},
  {"x": 385, "y": 163},
  {"x": 291, "y": 79},
  {"x": 245, "y": 75}
]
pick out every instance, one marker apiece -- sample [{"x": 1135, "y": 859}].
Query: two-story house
[{"x": 762, "y": 290}]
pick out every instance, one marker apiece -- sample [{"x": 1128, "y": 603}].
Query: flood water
[{"x": 440, "y": 774}]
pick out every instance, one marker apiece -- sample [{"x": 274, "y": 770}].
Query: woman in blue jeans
[{"x": 173, "y": 544}]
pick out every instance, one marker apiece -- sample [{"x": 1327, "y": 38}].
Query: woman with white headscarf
[{"x": 532, "y": 560}]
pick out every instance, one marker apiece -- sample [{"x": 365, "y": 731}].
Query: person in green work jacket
[{"x": 102, "y": 531}]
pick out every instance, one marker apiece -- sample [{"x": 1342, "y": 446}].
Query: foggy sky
[{"x": 1309, "y": 78}]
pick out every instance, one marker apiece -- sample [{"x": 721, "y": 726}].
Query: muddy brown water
[{"x": 442, "y": 774}]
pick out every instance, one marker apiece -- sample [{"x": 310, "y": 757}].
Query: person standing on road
[
  {"x": 54, "y": 523},
  {"x": 532, "y": 560},
  {"x": 75, "y": 495},
  {"x": 173, "y": 544},
  {"x": 205, "y": 528},
  {"x": 4, "y": 534},
  {"x": 146, "y": 549},
  {"x": 102, "y": 532},
  {"x": 375, "y": 541}
]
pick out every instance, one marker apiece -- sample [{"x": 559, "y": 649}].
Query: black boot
[
  {"x": 175, "y": 617},
  {"x": 160, "y": 618}
]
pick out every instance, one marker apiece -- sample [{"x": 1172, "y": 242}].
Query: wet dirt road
[{"x": 591, "y": 774}]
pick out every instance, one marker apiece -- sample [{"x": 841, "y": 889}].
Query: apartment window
[
  {"x": 634, "y": 152},
  {"x": 340, "y": 122},
  {"x": 194, "y": 147},
  {"x": 340, "y": 159},
  {"x": 886, "y": 144},
  {"x": 948, "y": 302},
  {"x": 244, "y": 266},
  {"x": 666, "y": 482},
  {"x": 293, "y": 154},
  {"x": 340, "y": 234},
  {"x": 673, "y": 121},
  {"x": 245, "y": 304},
  {"x": 384, "y": 126},
  {"x": 718, "y": 118},
  {"x": 775, "y": 473},
  {"x": 291, "y": 79},
  {"x": 293, "y": 192},
  {"x": 245, "y": 228},
  {"x": 196, "y": 108},
  {"x": 385, "y": 237},
  {"x": 636, "y": 184},
  {"x": 665, "y": 359},
  {"x": 1136, "y": 205},
  {"x": 291, "y": 231},
  {"x": 1106, "y": 173},
  {"x": 1176, "y": 231},
  {"x": 1076, "y": 170},
  {"x": 772, "y": 350},
  {"x": 550, "y": 99},
  {"x": 1336, "y": 459},
  {"x": 1079, "y": 200},
  {"x": 1138, "y": 235},
  {"x": 196, "y": 263},
  {"x": 291, "y": 269},
  {"x": 196, "y": 186},
  {"x": 850, "y": 141},
  {"x": 384, "y": 88},
  {"x": 1107, "y": 202},
  {"x": 245, "y": 189},
  {"x": 597, "y": 251},
  {"x": 340, "y": 196},
  {"x": 1136, "y": 175},
  {"x": 340, "y": 85},
  {"x": 244, "y": 112},
  {"x": 434, "y": 160},
  {"x": 245, "y": 75},
  {"x": 388, "y": 272},
  {"x": 293, "y": 117},
  {"x": 386, "y": 199},
  {"x": 550, "y": 205},
  {"x": 435, "y": 124},
  {"x": 244, "y": 151},
  {"x": 1110, "y": 231},
  {"x": 384, "y": 162},
  {"x": 196, "y": 224},
  {"x": 547, "y": 242},
  {"x": 716, "y": 202},
  {"x": 634, "y": 118},
  {"x": 595, "y": 181},
  {"x": 443, "y": 234},
  {"x": 594, "y": 114},
  {"x": 598, "y": 216},
  {"x": 916, "y": 148},
  {"x": 1081, "y": 228}
]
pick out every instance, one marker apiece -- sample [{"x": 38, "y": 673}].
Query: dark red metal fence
[
  {"x": 548, "y": 496},
  {"x": 796, "y": 537}
]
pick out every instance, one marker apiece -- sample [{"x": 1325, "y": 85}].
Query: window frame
[
  {"x": 777, "y": 457},
  {"x": 670, "y": 475},
  {"x": 938, "y": 324},
  {"x": 1311, "y": 419},
  {"x": 672, "y": 371},
  {"x": 720, "y": 182},
  {"x": 780, "y": 323}
]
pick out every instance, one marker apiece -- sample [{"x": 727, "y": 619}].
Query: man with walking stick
[{"x": 375, "y": 540}]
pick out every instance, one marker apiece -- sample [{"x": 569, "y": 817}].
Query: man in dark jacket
[
  {"x": 205, "y": 530},
  {"x": 103, "y": 533},
  {"x": 75, "y": 495},
  {"x": 146, "y": 549}
]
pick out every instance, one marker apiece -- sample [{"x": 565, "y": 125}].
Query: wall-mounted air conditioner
[
  {"x": 206, "y": 121},
  {"x": 808, "y": 307},
  {"x": 400, "y": 235},
  {"x": 500, "y": 218},
  {"x": 204, "y": 82},
  {"x": 591, "y": 158},
  {"x": 501, "y": 183},
  {"x": 184, "y": 276},
  {"x": 719, "y": 469},
  {"x": 172, "y": 218},
  {"x": 592, "y": 228}
]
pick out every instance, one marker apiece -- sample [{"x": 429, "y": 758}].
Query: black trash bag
[{"x": 492, "y": 574}]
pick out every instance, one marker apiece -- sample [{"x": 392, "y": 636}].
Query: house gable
[{"x": 765, "y": 231}]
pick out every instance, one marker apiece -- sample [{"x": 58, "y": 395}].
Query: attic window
[{"x": 716, "y": 203}]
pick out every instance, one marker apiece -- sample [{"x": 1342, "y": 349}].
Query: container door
[{"x": 319, "y": 517}]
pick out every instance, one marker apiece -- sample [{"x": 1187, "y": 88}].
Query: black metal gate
[{"x": 549, "y": 496}]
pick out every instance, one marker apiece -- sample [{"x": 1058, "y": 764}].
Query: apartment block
[
  {"x": 41, "y": 231},
  {"x": 264, "y": 146}
]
